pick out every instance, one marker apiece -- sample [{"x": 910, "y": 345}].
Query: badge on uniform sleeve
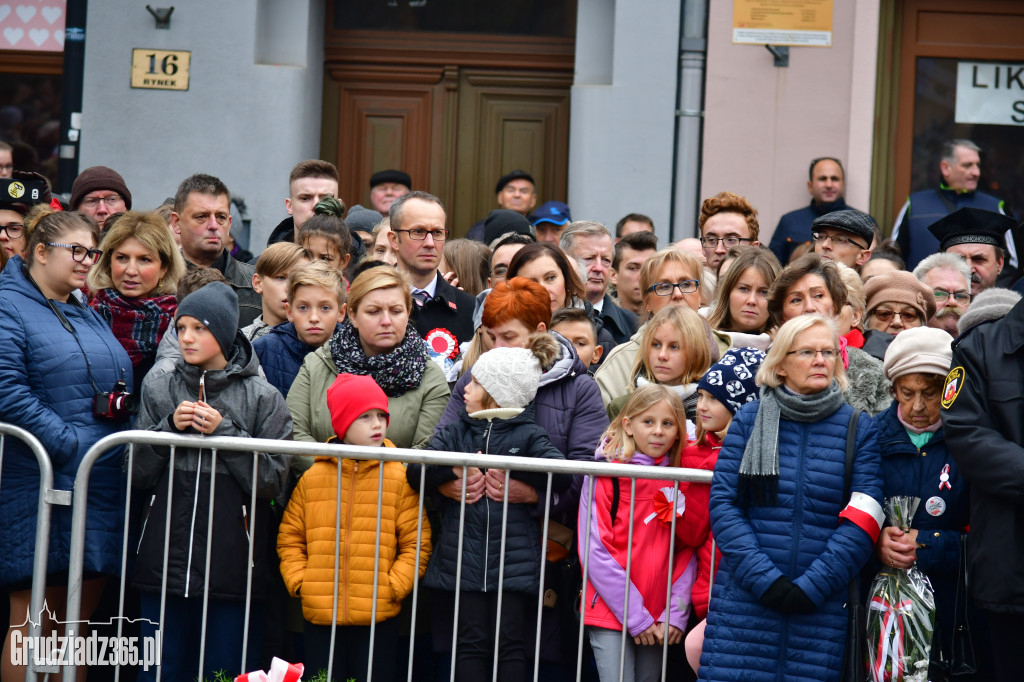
[
  {"x": 935, "y": 506},
  {"x": 951, "y": 389}
]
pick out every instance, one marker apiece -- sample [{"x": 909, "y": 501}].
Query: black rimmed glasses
[
  {"x": 837, "y": 239},
  {"x": 13, "y": 230},
  {"x": 687, "y": 286},
  {"x": 729, "y": 241},
  {"x": 419, "y": 234},
  {"x": 79, "y": 252},
  {"x": 885, "y": 316},
  {"x": 112, "y": 201}
]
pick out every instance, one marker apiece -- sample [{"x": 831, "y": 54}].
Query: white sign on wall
[{"x": 990, "y": 93}]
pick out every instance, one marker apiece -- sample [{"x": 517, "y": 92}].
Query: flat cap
[
  {"x": 396, "y": 176},
  {"x": 849, "y": 220},
  {"x": 514, "y": 175}
]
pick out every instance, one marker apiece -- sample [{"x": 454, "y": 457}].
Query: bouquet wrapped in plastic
[{"x": 901, "y": 612}]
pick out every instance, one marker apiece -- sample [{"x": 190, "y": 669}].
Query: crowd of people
[{"x": 815, "y": 377}]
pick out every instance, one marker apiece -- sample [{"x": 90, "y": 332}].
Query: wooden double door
[{"x": 455, "y": 111}]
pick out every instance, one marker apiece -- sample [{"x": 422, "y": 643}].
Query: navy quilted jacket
[
  {"x": 281, "y": 353},
  {"x": 499, "y": 433},
  {"x": 45, "y": 388},
  {"x": 800, "y": 537}
]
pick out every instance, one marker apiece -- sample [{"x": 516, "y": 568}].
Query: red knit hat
[{"x": 350, "y": 396}]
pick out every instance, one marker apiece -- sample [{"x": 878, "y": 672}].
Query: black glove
[
  {"x": 785, "y": 596},
  {"x": 797, "y": 601},
  {"x": 775, "y": 596}
]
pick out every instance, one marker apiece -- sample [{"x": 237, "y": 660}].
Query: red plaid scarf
[{"x": 138, "y": 323}]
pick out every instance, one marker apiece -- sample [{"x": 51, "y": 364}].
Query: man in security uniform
[{"x": 983, "y": 418}]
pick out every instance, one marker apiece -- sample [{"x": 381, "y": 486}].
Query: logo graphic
[
  {"x": 16, "y": 190},
  {"x": 951, "y": 389},
  {"x": 63, "y": 647}
]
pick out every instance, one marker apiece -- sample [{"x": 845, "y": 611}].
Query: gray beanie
[
  {"x": 923, "y": 350},
  {"x": 216, "y": 306},
  {"x": 509, "y": 375},
  {"x": 362, "y": 219},
  {"x": 990, "y": 304}
]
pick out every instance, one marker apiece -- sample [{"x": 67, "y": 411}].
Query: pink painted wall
[{"x": 763, "y": 124}]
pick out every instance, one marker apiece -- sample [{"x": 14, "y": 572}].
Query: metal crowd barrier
[
  {"x": 48, "y": 496},
  {"x": 215, "y": 444}
]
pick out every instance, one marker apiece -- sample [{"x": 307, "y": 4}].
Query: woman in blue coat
[
  {"x": 916, "y": 462},
  {"x": 59, "y": 357},
  {"x": 790, "y": 536}
]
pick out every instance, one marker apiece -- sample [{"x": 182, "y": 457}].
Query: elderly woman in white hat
[{"x": 917, "y": 463}]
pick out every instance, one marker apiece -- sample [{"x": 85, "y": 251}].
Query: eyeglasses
[
  {"x": 907, "y": 316},
  {"x": 687, "y": 286},
  {"x": 809, "y": 354},
  {"x": 6, "y": 168},
  {"x": 111, "y": 201},
  {"x": 730, "y": 241},
  {"x": 419, "y": 234},
  {"x": 499, "y": 271},
  {"x": 12, "y": 230},
  {"x": 962, "y": 297},
  {"x": 836, "y": 239},
  {"x": 79, "y": 253}
]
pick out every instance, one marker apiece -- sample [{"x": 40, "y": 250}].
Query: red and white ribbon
[
  {"x": 890, "y": 641},
  {"x": 280, "y": 671},
  {"x": 864, "y": 512},
  {"x": 944, "y": 479}
]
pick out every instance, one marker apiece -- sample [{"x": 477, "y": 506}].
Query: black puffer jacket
[
  {"x": 495, "y": 432},
  {"x": 250, "y": 407}
]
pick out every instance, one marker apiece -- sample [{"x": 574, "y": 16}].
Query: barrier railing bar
[
  {"x": 668, "y": 587},
  {"x": 501, "y": 575},
  {"x": 38, "y": 591},
  {"x": 209, "y": 552},
  {"x": 337, "y": 575},
  {"x": 167, "y": 553},
  {"x": 629, "y": 567},
  {"x": 251, "y": 532},
  {"x": 592, "y": 482},
  {"x": 420, "y": 520},
  {"x": 376, "y": 569},
  {"x": 124, "y": 556},
  {"x": 458, "y": 569},
  {"x": 543, "y": 566}
]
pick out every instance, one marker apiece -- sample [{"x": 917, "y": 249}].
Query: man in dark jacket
[
  {"x": 960, "y": 166},
  {"x": 827, "y": 186},
  {"x": 310, "y": 181},
  {"x": 590, "y": 244},
  {"x": 982, "y": 408},
  {"x": 443, "y": 315},
  {"x": 201, "y": 218}
]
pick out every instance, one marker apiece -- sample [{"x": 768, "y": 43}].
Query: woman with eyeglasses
[
  {"x": 896, "y": 301},
  {"x": 133, "y": 285},
  {"x": 792, "y": 535},
  {"x": 61, "y": 374},
  {"x": 812, "y": 284},
  {"x": 668, "y": 278}
]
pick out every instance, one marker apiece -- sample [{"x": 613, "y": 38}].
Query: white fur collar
[{"x": 497, "y": 413}]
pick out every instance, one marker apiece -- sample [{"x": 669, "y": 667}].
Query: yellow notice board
[
  {"x": 782, "y": 22},
  {"x": 160, "y": 69}
]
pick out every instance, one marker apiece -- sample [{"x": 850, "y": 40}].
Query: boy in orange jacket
[{"x": 308, "y": 551}]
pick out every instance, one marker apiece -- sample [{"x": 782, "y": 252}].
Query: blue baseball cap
[{"x": 552, "y": 212}]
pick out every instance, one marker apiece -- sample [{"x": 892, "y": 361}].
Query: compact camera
[{"x": 118, "y": 405}]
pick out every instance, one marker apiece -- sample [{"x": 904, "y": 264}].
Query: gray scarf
[{"x": 759, "y": 469}]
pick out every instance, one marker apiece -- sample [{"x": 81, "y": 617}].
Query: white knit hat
[
  {"x": 509, "y": 375},
  {"x": 919, "y": 349}
]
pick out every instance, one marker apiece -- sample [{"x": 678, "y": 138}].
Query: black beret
[
  {"x": 514, "y": 175},
  {"x": 396, "y": 176},
  {"x": 501, "y": 221}
]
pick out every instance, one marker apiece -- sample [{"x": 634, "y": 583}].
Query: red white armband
[{"x": 865, "y": 513}]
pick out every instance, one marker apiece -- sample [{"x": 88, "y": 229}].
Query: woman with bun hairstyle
[
  {"x": 326, "y": 236},
  {"x": 133, "y": 285},
  {"x": 59, "y": 366}
]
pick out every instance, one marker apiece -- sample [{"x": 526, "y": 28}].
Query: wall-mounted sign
[
  {"x": 160, "y": 69},
  {"x": 990, "y": 93},
  {"x": 782, "y": 22}
]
